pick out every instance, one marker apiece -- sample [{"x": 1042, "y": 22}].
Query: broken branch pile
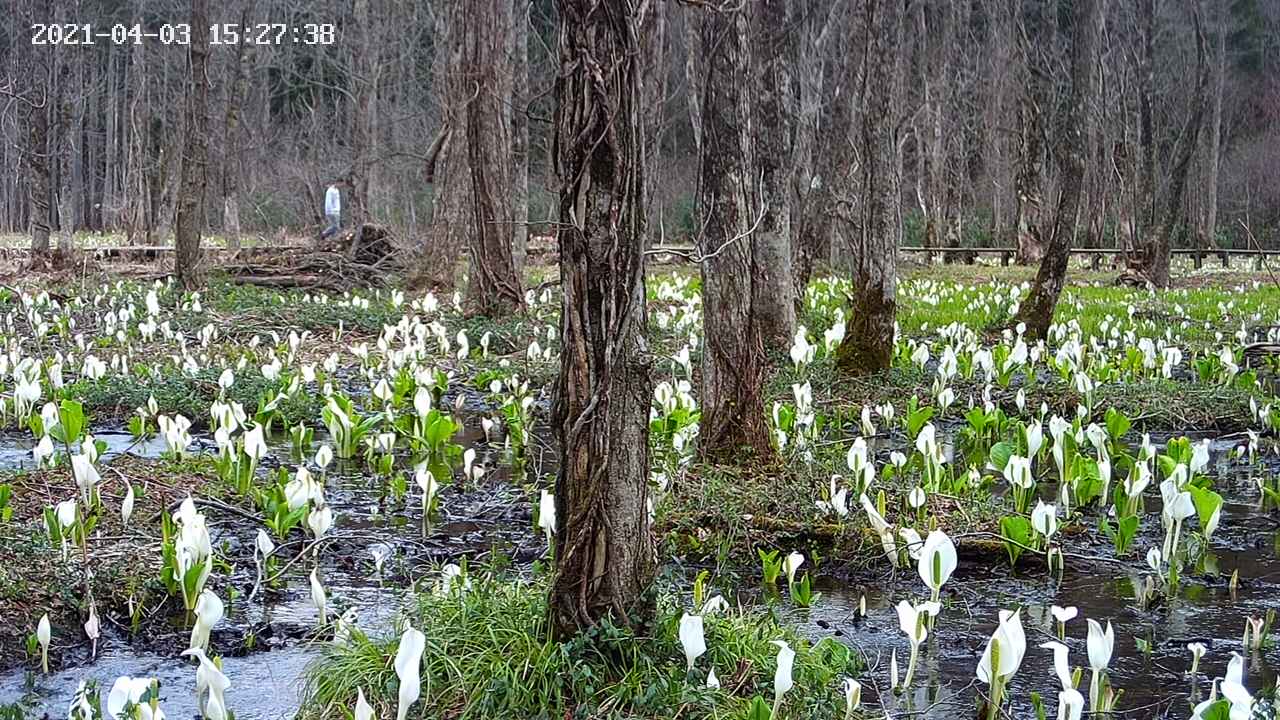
[{"x": 363, "y": 257}]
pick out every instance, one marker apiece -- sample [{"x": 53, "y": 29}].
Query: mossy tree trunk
[
  {"x": 868, "y": 342},
  {"x": 733, "y": 356},
  {"x": 604, "y": 546},
  {"x": 195, "y": 153},
  {"x": 1070, "y": 142}
]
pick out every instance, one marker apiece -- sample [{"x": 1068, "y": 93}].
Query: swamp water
[{"x": 267, "y": 680}]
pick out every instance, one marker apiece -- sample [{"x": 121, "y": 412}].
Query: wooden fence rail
[{"x": 1006, "y": 254}]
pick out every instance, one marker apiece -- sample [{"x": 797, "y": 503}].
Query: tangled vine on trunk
[{"x": 604, "y": 548}]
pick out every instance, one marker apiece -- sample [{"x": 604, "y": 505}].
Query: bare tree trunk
[
  {"x": 447, "y": 169},
  {"x": 363, "y": 140},
  {"x": 810, "y": 221},
  {"x": 936, "y": 85},
  {"x": 157, "y": 163},
  {"x": 1150, "y": 263},
  {"x": 1070, "y": 141},
  {"x": 493, "y": 288},
  {"x": 1001, "y": 146},
  {"x": 774, "y": 287},
  {"x": 604, "y": 547},
  {"x": 733, "y": 356},
  {"x": 35, "y": 113},
  {"x": 38, "y": 161},
  {"x": 1030, "y": 172},
  {"x": 868, "y": 343},
  {"x": 520, "y": 134},
  {"x": 1214, "y": 141},
  {"x": 1145, "y": 216},
  {"x": 653, "y": 83},
  {"x": 694, "y": 78},
  {"x": 65, "y": 144},
  {"x": 195, "y": 152},
  {"x": 237, "y": 86}
]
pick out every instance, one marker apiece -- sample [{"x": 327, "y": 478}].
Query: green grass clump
[{"x": 488, "y": 656}]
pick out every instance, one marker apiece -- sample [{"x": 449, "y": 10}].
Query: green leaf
[
  {"x": 977, "y": 418},
  {"x": 1000, "y": 454},
  {"x": 1207, "y": 503},
  {"x": 1016, "y": 531},
  {"x": 439, "y": 429},
  {"x": 1117, "y": 423},
  {"x": 71, "y": 417},
  {"x": 1087, "y": 485},
  {"x": 759, "y": 710},
  {"x": 1126, "y": 528},
  {"x": 1220, "y": 710}
]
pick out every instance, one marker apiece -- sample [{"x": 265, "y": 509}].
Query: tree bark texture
[
  {"x": 195, "y": 153},
  {"x": 729, "y": 205},
  {"x": 238, "y": 81},
  {"x": 1213, "y": 144},
  {"x": 1151, "y": 259},
  {"x": 605, "y": 553},
  {"x": 774, "y": 285},
  {"x": 1070, "y": 142},
  {"x": 447, "y": 169},
  {"x": 364, "y": 64},
  {"x": 493, "y": 289},
  {"x": 868, "y": 343},
  {"x": 1032, "y": 107},
  {"x": 36, "y": 153},
  {"x": 811, "y": 223},
  {"x": 520, "y": 133}
]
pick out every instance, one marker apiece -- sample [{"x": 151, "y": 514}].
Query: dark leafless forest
[{"x": 1182, "y": 145}]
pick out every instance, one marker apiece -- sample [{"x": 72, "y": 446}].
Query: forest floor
[{"x": 290, "y": 350}]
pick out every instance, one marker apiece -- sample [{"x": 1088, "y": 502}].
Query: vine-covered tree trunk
[
  {"x": 868, "y": 342},
  {"x": 733, "y": 356},
  {"x": 1069, "y": 151},
  {"x": 447, "y": 170},
  {"x": 195, "y": 153},
  {"x": 604, "y": 548},
  {"x": 774, "y": 285},
  {"x": 492, "y": 289}
]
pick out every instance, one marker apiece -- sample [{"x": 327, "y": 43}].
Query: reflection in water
[
  {"x": 1205, "y": 610},
  {"x": 265, "y": 684}
]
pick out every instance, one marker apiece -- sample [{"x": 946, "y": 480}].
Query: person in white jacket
[{"x": 332, "y": 211}]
